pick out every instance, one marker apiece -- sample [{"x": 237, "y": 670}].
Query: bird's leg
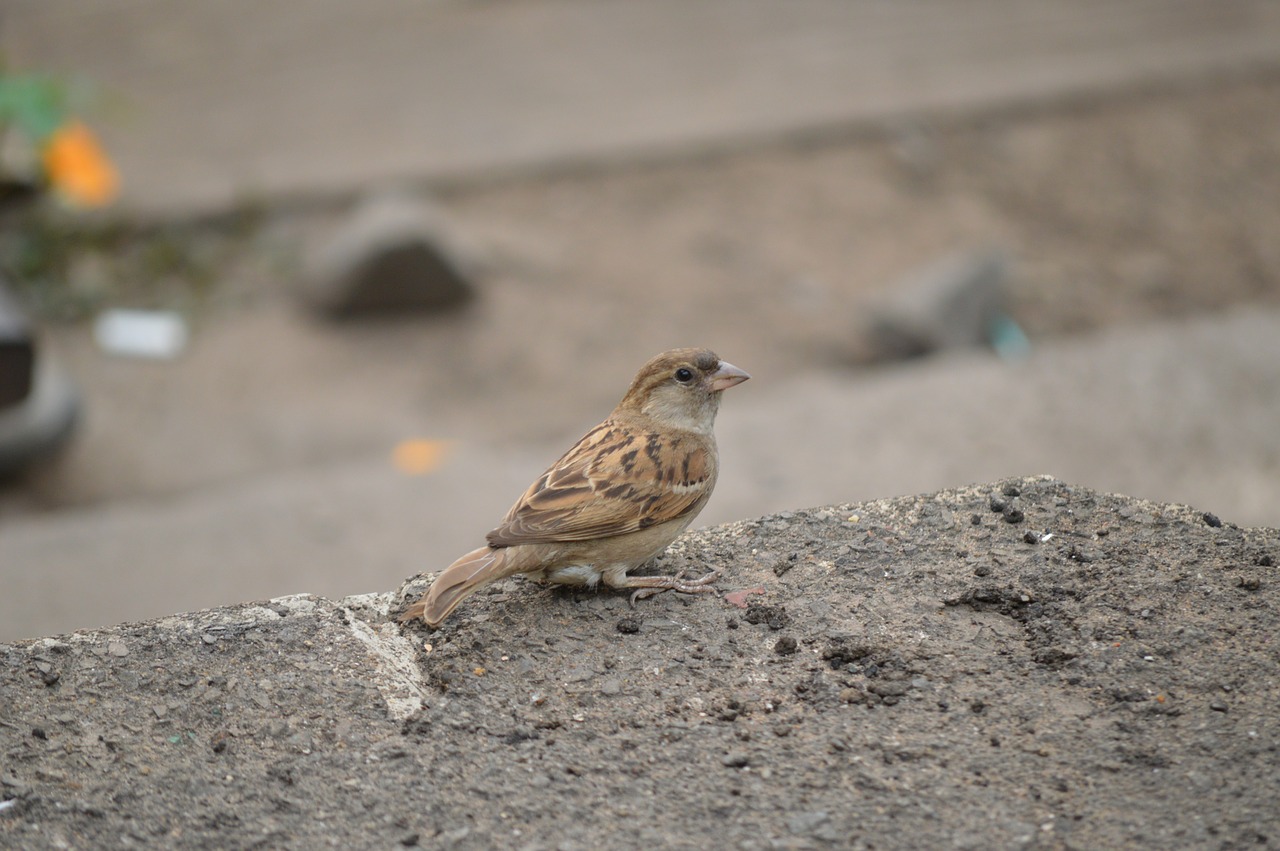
[{"x": 648, "y": 586}]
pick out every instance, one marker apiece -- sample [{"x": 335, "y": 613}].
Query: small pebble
[
  {"x": 629, "y": 625},
  {"x": 786, "y": 646},
  {"x": 890, "y": 685},
  {"x": 1082, "y": 555},
  {"x": 803, "y": 823},
  {"x": 775, "y": 616},
  {"x": 735, "y": 759},
  {"x": 1211, "y": 519}
]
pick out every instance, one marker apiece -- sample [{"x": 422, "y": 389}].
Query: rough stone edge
[
  {"x": 397, "y": 675},
  {"x": 368, "y": 618}
]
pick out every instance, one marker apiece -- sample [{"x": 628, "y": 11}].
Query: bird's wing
[{"x": 618, "y": 479}]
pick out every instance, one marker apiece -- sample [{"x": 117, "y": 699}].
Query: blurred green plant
[
  {"x": 71, "y": 267},
  {"x": 67, "y": 265}
]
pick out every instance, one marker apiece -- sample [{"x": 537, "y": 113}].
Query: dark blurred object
[
  {"x": 957, "y": 302},
  {"x": 17, "y": 353},
  {"x": 393, "y": 253},
  {"x": 38, "y": 406},
  {"x": 17, "y": 194},
  {"x": 17, "y": 346}
]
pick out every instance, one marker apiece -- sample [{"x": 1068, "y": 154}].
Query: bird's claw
[
  {"x": 701, "y": 585},
  {"x": 644, "y": 594}
]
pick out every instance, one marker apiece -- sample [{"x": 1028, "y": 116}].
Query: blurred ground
[
  {"x": 300, "y": 100},
  {"x": 1121, "y": 154}
]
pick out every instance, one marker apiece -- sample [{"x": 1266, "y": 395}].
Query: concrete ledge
[{"x": 1024, "y": 663}]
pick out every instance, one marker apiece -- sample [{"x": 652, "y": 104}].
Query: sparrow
[{"x": 616, "y": 499}]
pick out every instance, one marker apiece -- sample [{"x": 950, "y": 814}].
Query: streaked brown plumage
[{"x": 615, "y": 500}]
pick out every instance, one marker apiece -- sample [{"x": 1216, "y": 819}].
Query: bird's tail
[{"x": 458, "y": 581}]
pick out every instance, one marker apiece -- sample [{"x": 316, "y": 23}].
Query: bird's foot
[{"x": 649, "y": 586}]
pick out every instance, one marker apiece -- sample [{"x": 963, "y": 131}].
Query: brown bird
[{"x": 615, "y": 500}]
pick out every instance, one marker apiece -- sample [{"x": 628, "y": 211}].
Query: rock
[
  {"x": 629, "y": 624},
  {"x": 775, "y": 616},
  {"x": 803, "y": 823},
  {"x": 148, "y": 334},
  {"x": 315, "y": 722},
  {"x": 956, "y": 303},
  {"x": 393, "y": 253}
]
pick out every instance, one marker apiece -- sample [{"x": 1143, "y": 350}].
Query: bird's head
[{"x": 681, "y": 388}]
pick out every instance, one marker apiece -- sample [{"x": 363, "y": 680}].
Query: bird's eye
[{"x": 683, "y": 375}]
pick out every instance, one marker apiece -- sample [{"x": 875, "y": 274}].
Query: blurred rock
[
  {"x": 154, "y": 334},
  {"x": 393, "y": 253},
  {"x": 957, "y": 302}
]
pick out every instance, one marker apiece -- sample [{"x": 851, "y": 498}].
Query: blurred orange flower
[{"x": 78, "y": 168}]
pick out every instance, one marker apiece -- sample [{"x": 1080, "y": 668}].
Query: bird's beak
[{"x": 726, "y": 376}]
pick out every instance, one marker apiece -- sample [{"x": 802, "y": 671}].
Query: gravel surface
[{"x": 1021, "y": 664}]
